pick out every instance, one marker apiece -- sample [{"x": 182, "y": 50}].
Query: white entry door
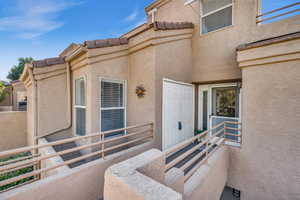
[{"x": 178, "y": 112}]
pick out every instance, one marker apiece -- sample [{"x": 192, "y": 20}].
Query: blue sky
[{"x": 43, "y": 28}]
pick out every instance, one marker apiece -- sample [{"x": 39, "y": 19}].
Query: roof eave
[
  {"x": 25, "y": 72},
  {"x": 154, "y": 5},
  {"x": 76, "y": 52}
]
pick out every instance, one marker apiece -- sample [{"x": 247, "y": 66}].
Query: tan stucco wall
[
  {"x": 141, "y": 72},
  {"x": 7, "y": 101},
  {"x": 146, "y": 60},
  {"x": 19, "y": 91},
  {"x": 209, "y": 180},
  {"x": 84, "y": 182},
  {"x": 6, "y": 108},
  {"x": 30, "y": 114},
  {"x": 52, "y": 103},
  {"x": 267, "y": 165},
  {"x": 142, "y": 177},
  {"x": 139, "y": 178},
  {"x": 172, "y": 61},
  {"x": 114, "y": 69},
  {"x": 214, "y": 55},
  {"x": 12, "y": 130}
]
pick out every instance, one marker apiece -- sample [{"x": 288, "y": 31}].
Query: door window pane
[
  {"x": 204, "y": 113},
  {"x": 225, "y": 102}
]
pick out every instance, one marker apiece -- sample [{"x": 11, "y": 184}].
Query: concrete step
[{"x": 69, "y": 156}]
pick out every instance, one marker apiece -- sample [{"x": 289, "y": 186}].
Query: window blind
[{"x": 112, "y": 106}]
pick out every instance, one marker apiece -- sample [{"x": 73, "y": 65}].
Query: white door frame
[{"x": 163, "y": 102}]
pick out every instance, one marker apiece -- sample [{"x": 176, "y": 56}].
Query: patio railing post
[{"x": 102, "y": 145}]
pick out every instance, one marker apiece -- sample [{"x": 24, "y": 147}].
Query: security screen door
[
  {"x": 225, "y": 105},
  {"x": 218, "y": 103}
]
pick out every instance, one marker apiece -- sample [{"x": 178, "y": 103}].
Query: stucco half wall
[
  {"x": 267, "y": 165},
  {"x": 209, "y": 180},
  {"x": 12, "y": 130},
  {"x": 85, "y": 182}
]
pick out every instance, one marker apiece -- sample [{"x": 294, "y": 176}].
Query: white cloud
[
  {"x": 32, "y": 18},
  {"x": 133, "y": 16}
]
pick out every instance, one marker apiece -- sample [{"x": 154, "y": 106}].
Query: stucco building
[
  {"x": 15, "y": 99},
  {"x": 193, "y": 66}
]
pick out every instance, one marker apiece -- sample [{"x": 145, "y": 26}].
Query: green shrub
[{"x": 8, "y": 175}]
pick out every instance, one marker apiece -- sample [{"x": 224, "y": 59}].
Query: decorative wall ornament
[{"x": 140, "y": 91}]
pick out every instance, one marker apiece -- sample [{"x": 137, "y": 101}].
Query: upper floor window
[
  {"x": 80, "y": 106},
  {"x": 216, "y": 14}
]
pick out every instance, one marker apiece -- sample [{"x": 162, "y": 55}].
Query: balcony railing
[
  {"x": 97, "y": 144},
  {"x": 194, "y": 152},
  {"x": 267, "y": 16}
]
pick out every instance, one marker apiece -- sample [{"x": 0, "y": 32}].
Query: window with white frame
[
  {"x": 113, "y": 108},
  {"x": 80, "y": 107},
  {"x": 216, "y": 14}
]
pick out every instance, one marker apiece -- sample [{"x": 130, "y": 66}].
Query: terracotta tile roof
[
  {"x": 48, "y": 62},
  {"x": 171, "y": 25},
  {"x": 157, "y": 26},
  {"x": 268, "y": 41},
  {"x": 105, "y": 43}
]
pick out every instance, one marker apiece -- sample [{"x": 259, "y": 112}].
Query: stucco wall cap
[
  {"x": 172, "y": 25},
  {"x": 129, "y": 167},
  {"x": 269, "y": 41},
  {"x": 48, "y": 62},
  {"x": 91, "y": 44}
]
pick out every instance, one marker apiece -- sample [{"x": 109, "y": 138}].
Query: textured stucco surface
[
  {"x": 84, "y": 182},
  {"x": 30, "y": 114},
  {"x": 214, "y": 56},
  {"x": 18, "y": 88},
  {"x": 7, "y": 101},
  {"x": 267, "y": 165},
  {"x": 139, "y": 178},
  {"x": 210, "y": 179},
  {"x": 52, "y": 104},
  {"x": 12, "y": 130}
]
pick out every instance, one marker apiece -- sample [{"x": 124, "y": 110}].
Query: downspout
[
  {"x": 152, "y": 13},
  {"x": 67, "y": 59},
  {"x": 69, "y": 94}
]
